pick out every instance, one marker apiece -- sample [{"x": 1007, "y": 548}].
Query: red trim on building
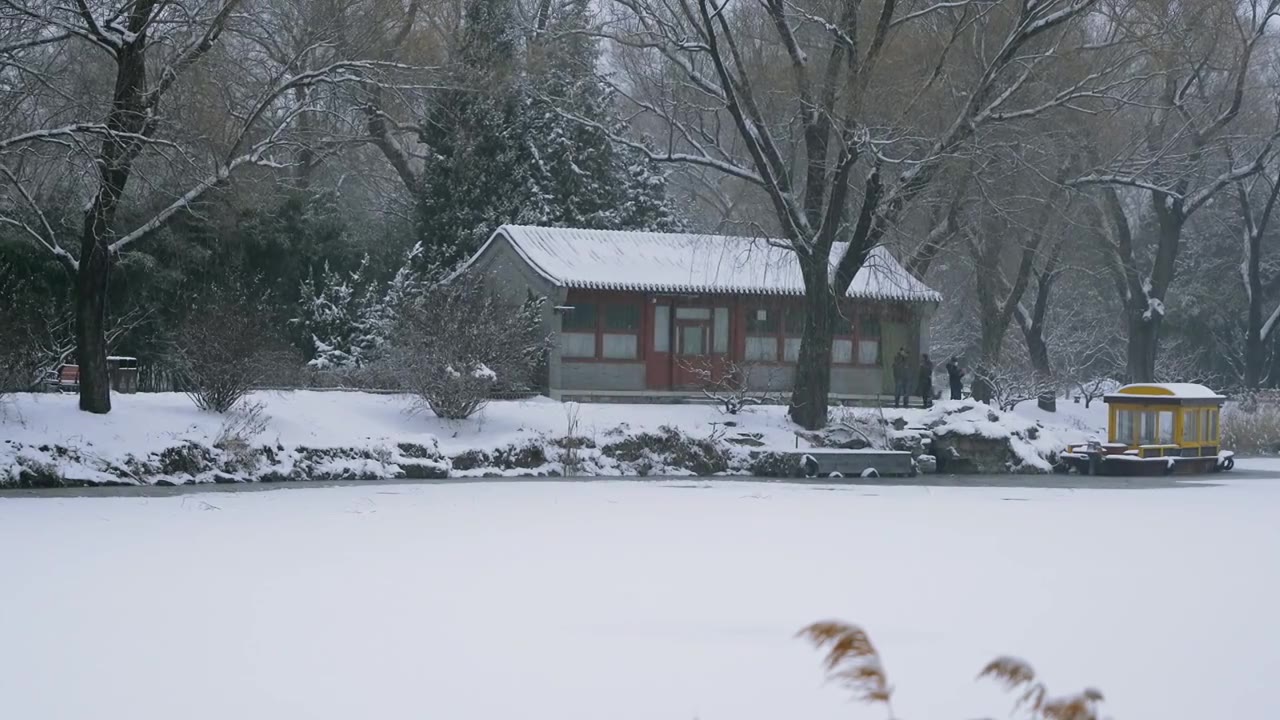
[{"x": 664, "y": 371}]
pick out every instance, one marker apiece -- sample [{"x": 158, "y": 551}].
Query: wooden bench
[{"x": 66, "y": 377}]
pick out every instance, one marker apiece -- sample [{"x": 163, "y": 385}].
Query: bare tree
[
  {"x": 1258, "y": 329},
  {"x": 1176, "y": 159},
  {"x": 837, "y": 165},
  {"x": 142, "y": 49}
]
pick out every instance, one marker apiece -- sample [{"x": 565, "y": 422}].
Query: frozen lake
[{"x": 632, "y": 601}]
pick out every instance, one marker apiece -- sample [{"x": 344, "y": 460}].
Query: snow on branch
[
  {"x": 192, "y": 52},
  {"x": 257, "y": 154},
  {"x": 45, "y": 237},
  {"x": 703, "y": 158}
]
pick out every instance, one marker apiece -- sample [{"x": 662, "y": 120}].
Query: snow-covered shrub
[
  {"x": 1008, "y": 384},
  {"x": 235, "y": 437},
  {"x": 458, "y": 342},
  {"x": 225, "y": 346},
  {"x": 668, "y": 449},
  {"x": 853, "y": 662},
  {"x": 1094, "y": 389},
  {"x": 1252, "y": 426}
]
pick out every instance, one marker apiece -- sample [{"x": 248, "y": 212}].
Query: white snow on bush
[
  {"x": 150, "y": 423},
  {"x": 48, "y": 431}
]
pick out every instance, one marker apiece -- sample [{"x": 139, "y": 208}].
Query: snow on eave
[
  {"x": 738, "y": 290},
  {"x": 597, "y": 260}
]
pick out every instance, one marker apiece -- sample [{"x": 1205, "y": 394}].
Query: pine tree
[
  {"x": 473, "y": 174},
  {"x": 512, "y": 148},
  {"x": 588, "y": 180},
  {"x": 338, "y": 314}
]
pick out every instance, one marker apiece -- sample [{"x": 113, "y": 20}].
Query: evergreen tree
[
  {"x": 587, "y": 180},
  {"x": 473, "y": 174},
  {"x": 513, "y": 147},
  {"x": 334, "y": 315},
  {"x": 348, "y": 318}
]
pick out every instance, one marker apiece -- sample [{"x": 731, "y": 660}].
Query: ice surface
[{"x": 627, "y": 601}]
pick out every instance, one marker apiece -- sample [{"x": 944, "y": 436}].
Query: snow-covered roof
[
  {"x": 1181, "y": 391},
  {"x": 689, "y": 263}
]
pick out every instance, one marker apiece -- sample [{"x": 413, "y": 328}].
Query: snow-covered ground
[
  {"x": 153, "y": 421},
  {"x": 47, "y": 430},
  {"x": 629, "y": 601}
]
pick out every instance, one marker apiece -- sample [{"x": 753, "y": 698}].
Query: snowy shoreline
[{"x": 161, "y": 439}]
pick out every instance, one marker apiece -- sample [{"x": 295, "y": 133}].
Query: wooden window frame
[
  {"x": 859, "y": 317},
  {"x": 602, "y": 304},
  {"x": 850, "y": 331},
  {"x": 750, "y": 307}
]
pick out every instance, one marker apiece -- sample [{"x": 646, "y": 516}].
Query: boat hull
[{"x": 1087, "y": 463}]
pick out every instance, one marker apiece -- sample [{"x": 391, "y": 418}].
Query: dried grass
[
  {"x": 1252, "y": 426},
  {"x": 853, "y": 662}
]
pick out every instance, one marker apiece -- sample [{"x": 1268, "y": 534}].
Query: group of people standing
[{"x": 924, "y": 379}]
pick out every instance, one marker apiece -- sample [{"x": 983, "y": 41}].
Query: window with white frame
[
  {"x": 609, "y": 331},
  {"x": 578, "y": 331},
  {"x": 762, "y": 334},
  {"x": 620, "y": 339}
]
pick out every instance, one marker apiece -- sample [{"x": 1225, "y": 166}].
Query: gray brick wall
[
  {"x": 856, "y": 380},
  {"x": 601, "y": 376},
  {"x": 511, "y": 278}
]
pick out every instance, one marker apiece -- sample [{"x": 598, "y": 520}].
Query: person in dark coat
[
  {"x": 956, "y": 376},
  {"x": 901, "y": 379},
  {"x": 926, "y": 380}
]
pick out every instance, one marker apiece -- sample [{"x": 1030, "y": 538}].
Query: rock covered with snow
[{"x": 971, "y": 437}]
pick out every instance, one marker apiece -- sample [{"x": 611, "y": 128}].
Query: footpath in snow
[{"x": 308, "y": 435}]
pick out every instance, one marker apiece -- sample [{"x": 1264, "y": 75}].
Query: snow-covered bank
[
  {"x": 625, "y": 601},
  {"x": 162, "y": 438}
]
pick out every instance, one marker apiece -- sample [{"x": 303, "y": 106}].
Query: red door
[{"x": 700, "y": 345}]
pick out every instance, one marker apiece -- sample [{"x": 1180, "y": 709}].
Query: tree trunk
[
  {"x": 1255, "y": 344},
  {"x": 129, "y": 117},
  {"x": 1255, "y": 354},
  {"x": 91, "y": 320},
  {"x": 1144, "y": 338},
  {"x": 1039, "y": 354},
  {"x": 809, "y": 396}
]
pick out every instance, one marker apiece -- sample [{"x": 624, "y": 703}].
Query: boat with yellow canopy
[{"x": 1154, "y": 429}]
